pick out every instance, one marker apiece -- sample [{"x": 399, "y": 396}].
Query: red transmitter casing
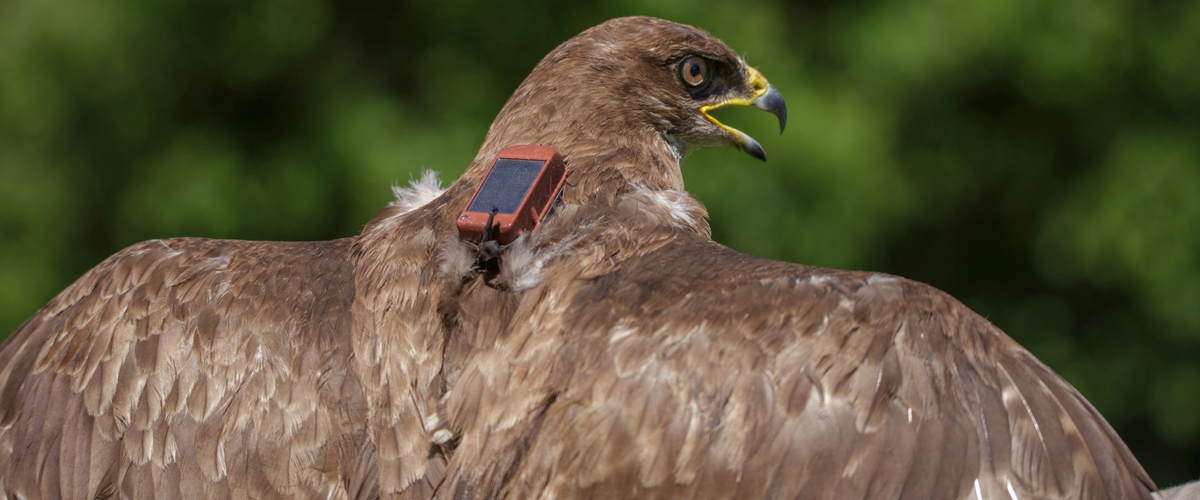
[{"x": 520, "y": 186}]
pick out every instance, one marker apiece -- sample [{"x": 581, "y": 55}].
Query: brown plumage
[{"x": 615, "y": 352}]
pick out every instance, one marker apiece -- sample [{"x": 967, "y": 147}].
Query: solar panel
[
  {"x": 506, "y": 185},
  {"x": 521, "y": 186}
]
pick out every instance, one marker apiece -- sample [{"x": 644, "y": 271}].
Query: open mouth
[{"x": 766, "y": 97}]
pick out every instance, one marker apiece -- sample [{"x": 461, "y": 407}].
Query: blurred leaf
[
  {"x": 1136, "y": 220},
  {"x": 1177, "y": 404},
  {"x": 193, "y": 189}
]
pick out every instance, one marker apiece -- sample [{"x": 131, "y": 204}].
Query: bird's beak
[{"x": 766, "y": 98}]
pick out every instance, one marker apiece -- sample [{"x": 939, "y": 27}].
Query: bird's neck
[
  {"x": 599, "y": 169},
  {"x": 606, "y": 154}
]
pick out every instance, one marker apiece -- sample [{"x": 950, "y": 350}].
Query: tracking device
[{"x": 515, "y": 195}]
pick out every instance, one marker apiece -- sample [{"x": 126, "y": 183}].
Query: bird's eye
[{"x": 693, "y": 71}]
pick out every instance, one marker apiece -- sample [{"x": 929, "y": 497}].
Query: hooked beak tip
[{"x": 772, "y": 102}]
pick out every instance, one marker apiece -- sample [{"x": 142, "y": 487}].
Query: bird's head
[
  {"x": 670, "y": 77},
  {"x": 633, "y": 84}
]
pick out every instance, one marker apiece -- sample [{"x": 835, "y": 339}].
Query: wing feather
[
  {"x": 687, "y": 370},
  {"x": 174, "y": 366},
  {"x": 650, "y": 362}
]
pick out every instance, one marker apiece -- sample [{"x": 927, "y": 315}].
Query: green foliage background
[{"x": 1037, "y": 159}]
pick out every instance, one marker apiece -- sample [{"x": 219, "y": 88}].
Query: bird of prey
[{"x": 614, "y": 352}]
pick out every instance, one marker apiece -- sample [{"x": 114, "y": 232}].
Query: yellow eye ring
[{"x": 693, "y": 71}]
